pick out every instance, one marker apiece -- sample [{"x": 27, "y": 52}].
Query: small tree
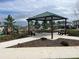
[
  {"x": 10, "y": 24},
  {"x": 37, "y": 24},
  {"x": 45, "y": 25},
  {"x": 53, "y": 23},
  {"x": 59, "y": 24},
  {"x": 31, "y": 24}
]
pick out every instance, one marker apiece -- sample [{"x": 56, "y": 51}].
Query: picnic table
[{"x": 61, "y": 32}]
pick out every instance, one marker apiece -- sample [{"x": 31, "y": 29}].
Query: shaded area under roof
[{"x": 47, "y": 16}]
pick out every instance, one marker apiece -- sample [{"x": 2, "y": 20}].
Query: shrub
[
  {"x": 64, "y": 43},
  {"x": 73, "y": 32},
  {"x": 43, "y": 38},
  {"x": 19, "y": 45},
  {"x": 21, "y": 35}
]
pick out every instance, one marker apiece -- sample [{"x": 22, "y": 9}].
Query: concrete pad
[{"x": 39, "y": 53}]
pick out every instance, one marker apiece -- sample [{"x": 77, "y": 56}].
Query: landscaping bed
[{"x": 43, "y": 42}]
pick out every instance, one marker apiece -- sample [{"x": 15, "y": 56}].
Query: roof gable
[{"x": 45, "y": 14}]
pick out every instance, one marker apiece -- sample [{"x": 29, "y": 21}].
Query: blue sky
[{"x": 21, "y": 9}]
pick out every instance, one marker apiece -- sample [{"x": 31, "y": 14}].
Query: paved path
[
  {"x": 16, "y": 41},
  {"x": 40, "y": 53},
  {"x": 22, "y": 40}
]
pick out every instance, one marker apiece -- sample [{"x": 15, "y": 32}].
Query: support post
[
  {"x": 28, "y": 27},
  {"x": 65, "y": 26},
  {"x": 51, "y": 27}
]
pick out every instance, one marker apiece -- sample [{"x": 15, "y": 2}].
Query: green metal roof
[{"x": 46, "y": 14}]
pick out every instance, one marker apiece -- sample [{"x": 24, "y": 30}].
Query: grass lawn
[
  {"x": 4, "y": 38},
  {"x": 2, "y": 35}
]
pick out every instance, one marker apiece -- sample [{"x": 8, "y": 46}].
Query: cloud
[{"x": 23, "y": 8}]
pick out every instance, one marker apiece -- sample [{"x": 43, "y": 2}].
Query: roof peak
[{"x": 46, "y": 14}]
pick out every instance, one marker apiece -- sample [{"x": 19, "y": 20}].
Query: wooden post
[
  {"x": 65, "y": 26},
  {"x": 28, "y": 27},
  {"x": 51, "y": 27}
]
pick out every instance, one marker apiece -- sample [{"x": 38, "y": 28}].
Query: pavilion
[{"x": 47, "y": 16}]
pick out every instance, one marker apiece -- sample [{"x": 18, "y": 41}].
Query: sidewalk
[
  {"x": 39, "y": 53},
  {"x": 16, "y": 41}
]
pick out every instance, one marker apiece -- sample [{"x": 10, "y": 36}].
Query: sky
[{"x": 22, "y": 9}]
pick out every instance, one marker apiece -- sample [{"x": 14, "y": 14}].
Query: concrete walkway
[
  {"x": 40, "y": 53},
  {"x": 22, "y": 40},
  {"x": 16, "y": 41}
]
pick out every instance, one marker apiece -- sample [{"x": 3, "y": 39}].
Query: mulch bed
[{"x": 43, "y": 42}]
